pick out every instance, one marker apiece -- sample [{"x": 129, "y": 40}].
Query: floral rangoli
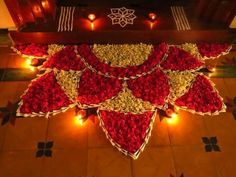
[
  {"x": 127, "y": 92},
  {"x": 122, "y": 16}
]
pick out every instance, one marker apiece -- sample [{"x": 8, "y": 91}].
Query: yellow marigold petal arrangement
[{"x": 122, "y": 55}]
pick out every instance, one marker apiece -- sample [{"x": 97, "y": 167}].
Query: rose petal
[
  {"x": 201, "y": 97},
  {"x": 44, "y": 95},
  {"x": 180, "y": 60},
  {"x": 129, "y": 132}
]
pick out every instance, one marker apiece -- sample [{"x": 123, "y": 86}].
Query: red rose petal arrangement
[
  {"x": 66, "y": 59},
  {"x": 94, "y": 88},
  {"x": 153, "y": 60},
  {"x": 201, "y": 97},
  {"x": 153, "y": 87},
  {"x": 35, "y": 50},
  {"x": 209, "y": 51},
  {"x": 43, "y": 96},
  {"x": 129, "y": 131},
  {"x": 76, "y": 70},
  {"x": 180, "y": 60}
]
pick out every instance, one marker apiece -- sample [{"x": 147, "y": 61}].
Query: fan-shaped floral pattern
[
  {"x": 154, "y": 59},
  {"x": 65, "y": 59},
  {"x": 94, "y": 88},
  {"x": 44, "y": 96},
  {"x": 128, "y": 132},
  {"x": 201, "y": 97},
  {"x": 153, "y": 87},
  {"x": 180, "y": 60},
  {"x": 127, "y": 95},
  {"x": 209, "y": 51},
  {"x": 35, "y": 50}
]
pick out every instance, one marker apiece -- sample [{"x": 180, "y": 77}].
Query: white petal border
[{"x": 125, "y": 78}]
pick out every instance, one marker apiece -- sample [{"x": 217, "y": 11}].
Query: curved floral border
[
  {"x": 221, "y": 54},
  {"x": 197, "y": 52},
  {"x": 165, "y": 55},
  {"x": 190, "y": 70},
  {"x": 122, "y": 55}
]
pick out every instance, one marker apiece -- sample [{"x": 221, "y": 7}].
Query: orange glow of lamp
[
  {"x": 37, "y": 11},
  {"x": 211, "y": 68},
  {"x": 172, "y": 117},
  {"x": 29, "y": 63},
  {"x": 91, "y": 18},
  {"x": 45, "y": 4},
  {"x": 152, "y": 19},
  {"x": 80, "y": 117},
  {"x": 152, "y": 16}
]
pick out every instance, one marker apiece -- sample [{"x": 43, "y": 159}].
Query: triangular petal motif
[
  {"x": 126, "y": 102},
  {"x": 180, "y": 82},
  {"x": 32, "y": 50},
  {"x": 180, "y": 60},
  {"x": 209, "y": 51},
  {"x": 129, "y": 133},
  {"x": 201, "y": 98},
  {"x": 94, "y": 88},
  {"x": 66, "y": 59},
  {"x": 153, "y": 87},
  {"x": 68, "y": 80},
  {"x": 43, "y": 96}
]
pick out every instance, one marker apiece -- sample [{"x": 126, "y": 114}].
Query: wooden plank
[{"x": 128, "y": 36}]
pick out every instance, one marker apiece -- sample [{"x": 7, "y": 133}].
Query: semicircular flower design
[{"x": 127, "y": 95}]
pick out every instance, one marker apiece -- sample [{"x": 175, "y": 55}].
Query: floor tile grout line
[
  {"x": 172, "y": 152},
  {"x": 227, "y": 89},
  {"x": 3, "y": 74},
  {"x": 154, "y": 146},
  {"x": 19, "y": 150},
  {"x": 47, "y": 127},
  {"x": 87, "y": 134},
  {"x": 211, "y": 159},
  {"x": 3, "y": 139},
  {"x": 70, "y": 149},
  {"x": 45, "y": 139},
  {"x": 131, "y": 167},
  {"x": 6, "y": 71}
]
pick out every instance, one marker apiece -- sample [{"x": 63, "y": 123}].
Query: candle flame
[{"x": 91, "y": 17}]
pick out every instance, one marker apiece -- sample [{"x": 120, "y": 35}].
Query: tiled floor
[{"x": 187, "y": 148}]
